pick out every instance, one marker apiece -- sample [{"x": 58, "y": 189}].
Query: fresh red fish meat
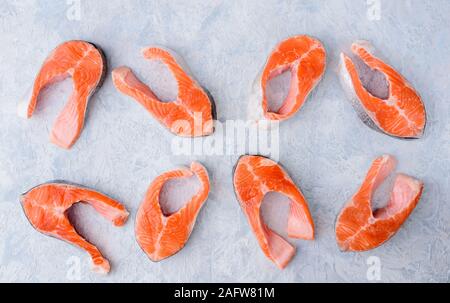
[
  {"x": 192, "y": 114},
  {"x": 256, "y": 176},
  {"x": 390, "y": 106},
  {"x": 85, "y": 63},
  {"x": 358, "y": 227},
  {"x": 46, "y": 208},
  {"x": 305, "y": 58},
  {"x": 162, "y": 235}
]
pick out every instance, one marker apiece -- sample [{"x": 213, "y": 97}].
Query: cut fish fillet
[
  {"x": 86, "y": 64},
  {"x": 162, "y": 236},
  {"x": 358, "y": 227},
  {"x": 256, "y": 176},
  {"x": 46, "y": 208},
  {"x": 305, "y": 58},
  {"x": 192, "y": 114},
  {"x": 402, "y": 114}
]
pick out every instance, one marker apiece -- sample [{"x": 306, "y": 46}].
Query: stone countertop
[{"x": 326, "y": 149}]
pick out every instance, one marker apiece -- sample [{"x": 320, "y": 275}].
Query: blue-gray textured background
[{"x": 325, "y": 147}]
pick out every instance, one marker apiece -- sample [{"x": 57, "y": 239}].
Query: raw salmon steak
[
  {"x": 192, "y": 114},
  {"x": 256, "y": 176},
  {"x": 358, "y": 227},
  {"x": 162, "y": 235},
  {"x": 305, "y": 59},
  {"x": 389, "y": 105},
  {"x": 86, "y": 64},
  {"x": 46, "y": 208}
]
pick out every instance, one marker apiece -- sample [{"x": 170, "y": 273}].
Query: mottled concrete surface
[{"x": 325, "y": 147}]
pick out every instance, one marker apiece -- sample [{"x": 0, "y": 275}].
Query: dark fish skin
[
  {"x": 101, "y": 80},
  {"x": 60, "y": 182},
  {"x": 213, "y": 103},
  {"x": 105, "y": 66},
  {"x": 237, "y": 162},
  {"x": 213, "y": 112},
  {"x": 103, "y": 76},
  {"x": 180, "y": 60},
  {"x": 160, "y": 261},
  {"x": 364, "y": 117},
  {"x": 182, "y": 63},
  {"x": 361, "y": 112},
  {"x": 55, "y": 182}
]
